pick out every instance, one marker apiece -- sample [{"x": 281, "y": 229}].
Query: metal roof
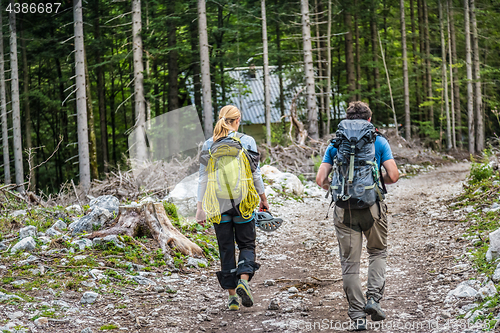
[{"x": 248, "y": 94}]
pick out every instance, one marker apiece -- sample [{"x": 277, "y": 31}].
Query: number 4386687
[{"x": 33, "y": 8}]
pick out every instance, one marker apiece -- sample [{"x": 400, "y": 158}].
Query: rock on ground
[
  {"x": 25, "y": 244},
  {"x": 28, "y": 231},
  {"x": 108, "y": 202},
  {"x": 185, "y": 195},
  {"x": 89, "y": 297},
  {"x": 109, "y": 239},
  {"x": 283, "y": 181},
  {"x": 96, "y": 218}
]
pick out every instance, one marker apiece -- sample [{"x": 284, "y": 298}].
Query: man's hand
[
  {"x": 322, "y": 176},
  {"x": 392, "y": 174}
]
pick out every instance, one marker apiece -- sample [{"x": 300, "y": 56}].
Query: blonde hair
[{"x": 227, "y": 115}]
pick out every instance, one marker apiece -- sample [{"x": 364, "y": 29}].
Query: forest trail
[{"x": 422, "y": 241}]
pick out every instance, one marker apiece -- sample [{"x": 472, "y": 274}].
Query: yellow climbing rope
[{"x": 245, "y": 187}]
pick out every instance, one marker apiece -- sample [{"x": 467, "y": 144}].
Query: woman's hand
[
  {"x": 264, "y": 205},
  {"x": 201, "y": 216}
]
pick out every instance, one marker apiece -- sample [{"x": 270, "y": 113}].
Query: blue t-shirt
[{"x": 382, "y": 151}]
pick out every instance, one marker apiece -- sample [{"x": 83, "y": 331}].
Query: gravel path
[{"x": 301, "y": 273}]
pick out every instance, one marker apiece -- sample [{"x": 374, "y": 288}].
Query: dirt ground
[{"x": 424, "y": 246}]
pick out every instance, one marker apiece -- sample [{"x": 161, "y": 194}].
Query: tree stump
[{"x": 150, "y": 219}]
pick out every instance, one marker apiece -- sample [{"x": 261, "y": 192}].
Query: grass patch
[{"x": 108, "y": 327}]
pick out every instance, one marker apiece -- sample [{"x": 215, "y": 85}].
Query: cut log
[{"x": 150, "y": 219}]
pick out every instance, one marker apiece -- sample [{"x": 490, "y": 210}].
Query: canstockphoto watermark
[{"x": 403, "y": 325}]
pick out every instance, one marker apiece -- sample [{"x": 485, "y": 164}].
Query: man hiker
[{"x": 351, "y": 224}]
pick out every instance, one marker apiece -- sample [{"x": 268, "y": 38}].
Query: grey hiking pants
[{"x": 350, "y": 226}]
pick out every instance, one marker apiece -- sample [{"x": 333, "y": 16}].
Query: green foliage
[
  {"x": 171, "y": 211},
  {"x": 317, "y": 160},
  {"x": 108, "y": 327}
]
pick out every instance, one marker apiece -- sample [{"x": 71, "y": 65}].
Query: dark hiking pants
[
  {"x": 244, "y": 234},
  {"x": 350, "y": 226}
]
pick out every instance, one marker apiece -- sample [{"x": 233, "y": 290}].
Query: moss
[{"x": 108, "y": 327}]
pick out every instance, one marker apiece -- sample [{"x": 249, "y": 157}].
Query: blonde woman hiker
[{"x": 230, "y": 188}]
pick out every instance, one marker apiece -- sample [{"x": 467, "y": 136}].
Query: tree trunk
[
  {"x": 173, "y": 83},
  {"x": 453, "y": 129},
  {"x": 358, "y": 53},
  {"x": 329, "y": 66},
  {"x": 205, "y": 70},
  {"x": 101, "y": 92},
  {"x": 468, "y": 65},
  {"x": 16, "y": 112},
  {"x": 456, "y": 85},
  {"x": 405, "y": 72},
  {"x": 477, "y": 82},
  {"x": 309, "y": 72},
  {"x": 3, "y": 106},
  {"x": 428, "y": 68},
  {"x": 421, "y": 113},
  {"x": 320, "y": 71},
  {"x": 27, "y": 114},
  {"x": 140, "y": 102},
  {"x": 150, "y": 219},
  {"x": 395, "y": 119},
  {"x": 349, "y": 58},
  {"x": 81, "y": 98},
  {"x": 415, "y": 58},
  {"x": 195, "y": 52},
  {"x": 444, "y": 81},
  {"x": 280, "y": 69},
  {"x": 267, "y": 87},
  {"x": 376, "y": 72},
  {"x": 90, "y": 113}
]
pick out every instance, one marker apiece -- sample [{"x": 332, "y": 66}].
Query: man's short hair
[{"x": 358, "y": 110}]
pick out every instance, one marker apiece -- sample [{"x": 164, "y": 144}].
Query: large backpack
[
  {"x": 230, "y": 166},
  {"x": 355, "y": 179}
]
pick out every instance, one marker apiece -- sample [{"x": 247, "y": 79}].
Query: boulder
[
  {"x": 185, "y": 195},
  {"x": 195, "y": 262},
  {"x": 496, "y": 274},
  {"x": 142, "y": 280},
  {"x": 89, "y": 297},
  {"x": 495, "y": 244},
  {"x": 51, "y": 232},
  {"x": 283, "y": 181},
  {"x": 25, "y": 244},
  {"x": 20, "y": 212},
  {"x": 109, "y": 239},
  {"x": 82, "y": 243},
  {"x": 97, "y": 217},
  {"x": 488, "y": 290},
  {"x": 28, "y": 231},
  {"x": 75, "y": 208},
  {"x": 108, "y": 202},
  {"x": 463, "y": 290},
  {"x": 59, "y": 225},
  {"x": 312, "y": 190}
]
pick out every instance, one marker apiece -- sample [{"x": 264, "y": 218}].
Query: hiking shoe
[
  {"x": 360, "y": 324},
  {"x": 243, "y": 290},
  {"x": 234, "y": 303},
  {"x": 373, "y": 308}
]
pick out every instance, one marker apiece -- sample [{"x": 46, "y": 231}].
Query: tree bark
[
  {"x": 421, "y": 113},
  {"x": 173, "y": 83},
  {"x": 150, "y": 219},
  {"x": 27, "y": 114},
  {"x": 453, "y": 129},
  {"x": 406, "y": 87},
  {"x": 320, "y": 70},
  {"x": 444, "y": 81},
  {"x": 267, "y": 87},
  {"x": 329, "y": 66},
  {"x": 428, "y": 68},
  {"x": 280, "y": 68},
  {"x": 358, "y": 53},
  {"x": 349, "y": 57},
  {"x": 16, "y": 112},
  {"x": 195, "y": 53},
  {"x": 477, "y": 82},
  {"x": 468, "y": 65},
  {"x": 415, "y": 58},
  {"x": 140, "y": 102},
  {"x": 389, "y": 84},
  {"x": 376, "y": 72},
  {"x": 81, "y": 98},
  {"x": 101, "y": 91},
  {"x": 456, "y": 85},
  {"x": 309, "y": 72},
  {"x": 205, "y": 70},
  {"x": 3, "y": 106},
  {"x": 90, "y": 113}
]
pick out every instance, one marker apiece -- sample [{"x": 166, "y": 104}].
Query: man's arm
[
  {"x": 322, "y": 175},
  {"x": 392, "y": 174}
]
